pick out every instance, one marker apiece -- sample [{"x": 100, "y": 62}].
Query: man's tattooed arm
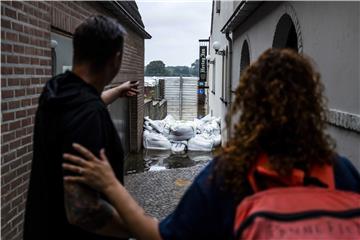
[{"x": 86, "y": 209}]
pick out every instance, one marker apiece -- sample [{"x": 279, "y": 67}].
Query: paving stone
[{"x": 159, "y": 192}]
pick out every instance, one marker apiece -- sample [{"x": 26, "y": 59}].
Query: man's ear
[{"x": 118, "y": 58}]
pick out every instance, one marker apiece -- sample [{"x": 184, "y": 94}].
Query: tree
[
  {"x": 181, "y": 71},
  {"x": 155, "y": 68},
  {"x": 158, "y": 68},
  {"x": 194, "y": 70}
]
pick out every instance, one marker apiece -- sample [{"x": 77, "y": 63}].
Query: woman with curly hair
[{"x": 282, "y": 117}]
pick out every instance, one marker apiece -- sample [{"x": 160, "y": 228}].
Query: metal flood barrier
[{"x": 181, "y": 96}]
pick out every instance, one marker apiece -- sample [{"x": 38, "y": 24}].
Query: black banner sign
[{"x": 202, "y": 63}]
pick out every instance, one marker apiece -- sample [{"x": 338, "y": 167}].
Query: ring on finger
[{"x": 80, "y": 171}]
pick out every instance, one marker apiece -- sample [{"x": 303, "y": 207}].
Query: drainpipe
[{"x": 229, "y": 122}]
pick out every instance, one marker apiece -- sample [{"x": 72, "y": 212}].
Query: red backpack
[{"x": 287, "y": 209}]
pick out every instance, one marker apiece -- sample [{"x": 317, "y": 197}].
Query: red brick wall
[
  {"x": 25, "y": 67},
  {"x": 132, "y": 69}
]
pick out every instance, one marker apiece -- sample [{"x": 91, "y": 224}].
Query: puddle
[{"x": 157, "y": 160}]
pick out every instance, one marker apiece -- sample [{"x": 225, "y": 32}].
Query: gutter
[{"x": 230, "y": 41}]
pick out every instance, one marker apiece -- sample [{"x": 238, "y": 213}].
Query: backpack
[{"x": 298, "y": 207}]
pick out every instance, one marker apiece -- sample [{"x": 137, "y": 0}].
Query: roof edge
[
  {"x": 241, "y": 13},
  {"x": 118, "y": 10},
  {"x": 133, "y": 20}
]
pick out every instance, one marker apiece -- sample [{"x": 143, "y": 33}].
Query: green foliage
[
  {"x": 157, "y": 68},
  {"x": 194, "y": 70}
]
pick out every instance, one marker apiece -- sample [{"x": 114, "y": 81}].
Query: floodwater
[{"x": 154, "y": 160}]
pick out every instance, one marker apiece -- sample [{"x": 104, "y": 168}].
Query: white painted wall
[
  {"x": 330, "y": 33},
  {"x": 216, "y": 106}
]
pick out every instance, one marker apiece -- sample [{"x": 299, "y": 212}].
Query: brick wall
[
  {"x": 132, "y": 68},
  {"x": 25, "y": 67}
]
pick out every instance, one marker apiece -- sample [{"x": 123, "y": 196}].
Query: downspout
[{"x": 229, "y": 120}]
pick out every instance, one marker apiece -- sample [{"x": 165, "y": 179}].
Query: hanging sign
[{"x": 202, "y": 63}]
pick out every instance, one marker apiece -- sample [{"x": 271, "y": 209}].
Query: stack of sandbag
[
  {"x": 208, "y": 134},
  {"x": 198, "y": 135}
]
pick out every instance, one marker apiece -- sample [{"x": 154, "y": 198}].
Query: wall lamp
[
  {"x": 216, "y": 45},
  {"x": 53, "y": 43},
  {"x": 208, "y": 59}
]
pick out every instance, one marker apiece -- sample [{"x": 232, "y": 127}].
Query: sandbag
[
  {"x": 200, "y": 143},
  {"x": 157, "y": 125},
  {"x": 216, "y": 140},
  {"x": 181, "y": 132},
  {"x": 178, "y": 147},
  {"x": 155, "y": 168},
  {"x": 202, "y": 134},
  {"x": 169, "y": 119},
  {"x": 154, "y": 140},
  {"x": 206, "y": 119},
  {"x": 148, "y": 127}
]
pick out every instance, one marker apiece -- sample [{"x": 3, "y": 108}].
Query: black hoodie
[{"x": 70, "y": 110}]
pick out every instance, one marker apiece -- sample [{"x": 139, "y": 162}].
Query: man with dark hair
[{"x": 72, "y": 108}]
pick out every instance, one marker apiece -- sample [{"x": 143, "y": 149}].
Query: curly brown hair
[{"x": 282, "y": 114}]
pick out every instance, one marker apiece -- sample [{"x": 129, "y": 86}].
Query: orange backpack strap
[{"x": 324, "y": 174}]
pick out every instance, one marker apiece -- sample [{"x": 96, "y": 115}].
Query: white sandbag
[
  {"x": 148, "y": 127},
  {"x": 154, "y": 140},
  {"x": 157, "y": 125},
  {"x": 155, "y": 168},
  {"x": 214, "y": 124},
  {"x": 206, "y": 119},
  {"x": 218, "y": 120},
  {"x": 181, "y": 132},
  {"x": 169, "y": 119},
  {"x": 216, "y": 140},
  {"x": 200, "y": 143},
  {"x": 199, "y": 126},
  {"x": 214, "y": 127},
  {"x": 203, "y": 134},
  {"x": 178, "y": 147}
]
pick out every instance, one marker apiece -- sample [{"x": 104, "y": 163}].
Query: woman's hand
[
  {"x": 97, "y": 173},
  {"x": 92, "y": 171}
]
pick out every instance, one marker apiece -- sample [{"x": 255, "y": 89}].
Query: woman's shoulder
[
  {"x": 208, "y": 178},
  {"x": 347, "y": 177},
  {"x": 210, "y": 182}
]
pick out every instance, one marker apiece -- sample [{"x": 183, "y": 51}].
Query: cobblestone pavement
[{"x": 159, "y": 192}]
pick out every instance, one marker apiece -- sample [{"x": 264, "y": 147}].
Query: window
[
  {"x": 223, "y": 78},
  {"x": 213, "y": 77},
  {"x": 245, "y": 57},
  {"x": 225, "y": 88},
  {"x": 53, "y": 61},
  {"x": 217, "y": 4},
  {"x": 285, "y": 34},
  {"x": 62, "y": 53}
]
